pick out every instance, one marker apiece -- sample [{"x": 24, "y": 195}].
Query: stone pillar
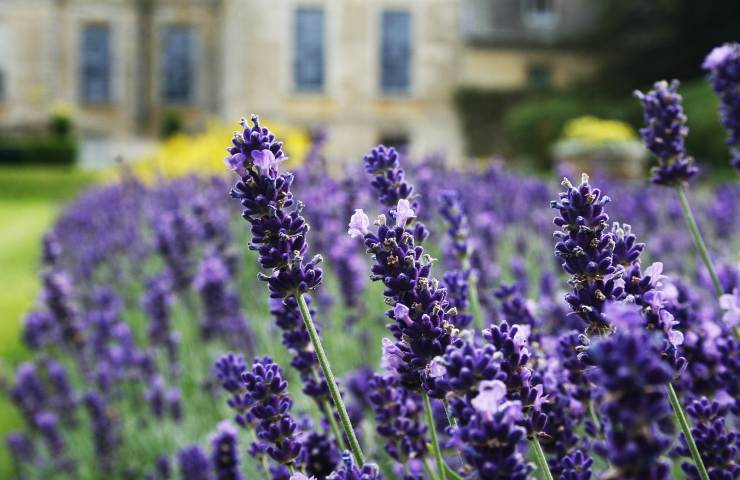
[{"x": 145, "y": 50}]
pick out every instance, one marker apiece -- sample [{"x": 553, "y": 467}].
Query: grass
[{"x": 30, "y": 199}]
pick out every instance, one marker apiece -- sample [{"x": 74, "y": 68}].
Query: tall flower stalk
[
  {"x": 664, "y": 135},
  {"x": 596, "y": 260},
  {"x": 279, "y": 236}
]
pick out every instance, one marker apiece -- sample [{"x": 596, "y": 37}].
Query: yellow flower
[
  {"x": 204, "y": 152},
  {"x": 597, "y": 131}
]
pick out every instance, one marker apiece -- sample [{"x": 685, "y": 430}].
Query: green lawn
[{"x": 30, "y": 198}]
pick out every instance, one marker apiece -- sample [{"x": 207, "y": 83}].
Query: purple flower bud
[
  {"x": 225, "y": 456},
  {"x": 194, "y": 464}
]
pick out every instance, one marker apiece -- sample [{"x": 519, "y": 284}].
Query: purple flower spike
[
  {"x": 278, "y": 228},
  {"x": 586, "y": 252},
  {"x": 717, "y": 444},
  {"x": 664, "y": 134},
  {"x": 636, "y": 413},
  {"x": 270, "y": 406},
  {"x": 723, "y": 64},
  {"x": 225, "y": 454},
  {"x": 194, "y": 464}
]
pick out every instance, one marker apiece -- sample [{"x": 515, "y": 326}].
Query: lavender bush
[{"x": 608, "y": 351}]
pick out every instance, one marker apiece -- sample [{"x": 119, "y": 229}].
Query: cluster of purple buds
[
  {"x": 459, "y": 371},
  {"x": 278, "y": 231},
  {"x": 576, "y": 466},
  {"x": 175, "y": 242},
  {"x": 458, "y": 295},
  {"x": 222, "y": 314},
  {"x": 106, "y": 430},
  {"x": 638, "y": 420},
  {"x": 645, "y": 289},
  {"x": 723, "y": 64},
  {"x": 421, "y": 312},
  {"x": 511, "y": 345},
  {"x": 21, "y": 449},
  {"x": 194, "y": 464},
  {"x": 350, "y": 471},
  {"x": 157, "y": 302},
  {"x": 383, "y": 163},
  {"x": 717, "y": 445},
  {"x": 517, "y": 309},
  {"x": 398, "y": 418},
  {"x": 226, "y": 460},
  {"x": 664, "y": 134},
  {"x": 270, "y": 404},
  {"x": 492, "y": 435},
  {"x": 586, "y": 252},
  {"x": 229, "y": 370},
  {"x": 452, "y": 212}
]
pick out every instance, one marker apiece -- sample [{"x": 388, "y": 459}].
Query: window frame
[
  {"x": 298, "y": 86},
  {"x": 191, "y": 55},
  {"x": 384, "y": 87},
  {"x": 86, "y": 69}
]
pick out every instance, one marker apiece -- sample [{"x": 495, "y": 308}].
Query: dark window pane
[
  {"x": 396, "y": 52},
  {"x": 178, "y": 63},
  {"x": 95, "y": 64},
  {"x": 309, "y": 49}
]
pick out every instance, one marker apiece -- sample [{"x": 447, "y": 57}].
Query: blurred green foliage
[{"x": 526, "y": 126}]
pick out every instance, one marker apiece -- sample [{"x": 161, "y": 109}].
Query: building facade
[{"x": 369, "y": 70}]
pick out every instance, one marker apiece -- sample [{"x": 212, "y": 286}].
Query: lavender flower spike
[
  {"x": 664, "y": 134},
  {"x": 723, "y": 64},
  {"x": 270, "y": 406},
  {"x": 226, "y": 453},
  {"x": 279, "y": 236}
]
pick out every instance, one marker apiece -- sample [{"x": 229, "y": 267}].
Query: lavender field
[{"x": 406, "y": 320}]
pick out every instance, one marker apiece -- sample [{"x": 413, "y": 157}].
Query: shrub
[{"x": 38, "y": 149}]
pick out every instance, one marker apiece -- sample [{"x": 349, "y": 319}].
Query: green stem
[
  {"x": 435, "y": 440},
  {"x": 336, "y": 397},
  {"x": 539, "y": 457},
  {"x": 683, "y": 422},
  {"x": 698, "y": 240},
  {"x": 334, "y": 426},
  {"x": 450, "y": 420},
  {"x": 428, "y": 469},
  {"x": 452, "y": 474},
  {"x": 291, "y": 469},
  {"x": 594, "y": 416}
]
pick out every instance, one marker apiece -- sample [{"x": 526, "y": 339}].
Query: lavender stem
[
  {"x": 683, "y": 422},
  {"x": 441, "y": 473},
  {"x": 336, "y": 397},
  {"x": 539, "y": 457},
  {"x": 698, "y": 240}
]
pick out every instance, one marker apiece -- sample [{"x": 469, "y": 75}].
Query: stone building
[{"x": 370, "y": 70}]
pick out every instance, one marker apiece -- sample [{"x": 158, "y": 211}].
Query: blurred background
[{"x": 160, "y": 84}]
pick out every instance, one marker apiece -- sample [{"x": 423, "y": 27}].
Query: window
[
  {"x": 178, "y": 64},
  {"x": 539, "y": 76},
  {"x": 395, "y": 76},
  {"x": 540, "y": 14},
  {"x": 539, "y": 6},
  {"x": 398, "y": 140},
  {"x": 95, "y": 64},
  {"x": 308, "y": 66}
]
